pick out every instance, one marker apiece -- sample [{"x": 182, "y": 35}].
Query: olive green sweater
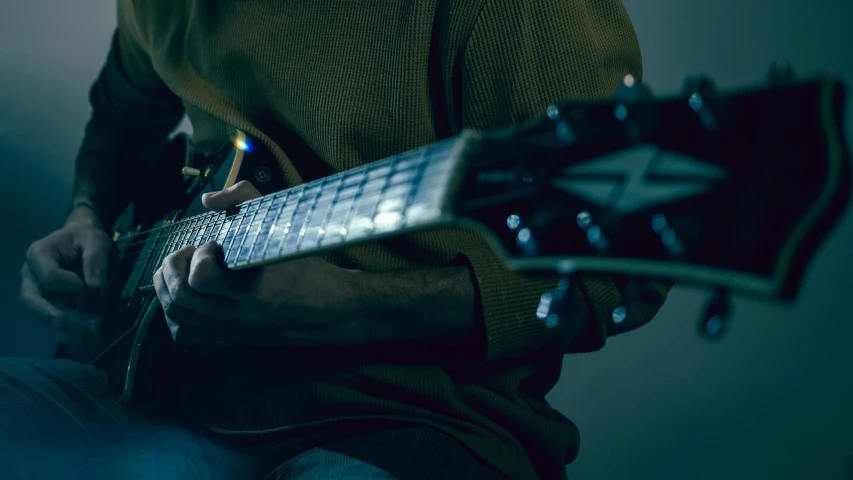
[{"x": 329, "y": 85}]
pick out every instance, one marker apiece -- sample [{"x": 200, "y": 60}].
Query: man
[{"x": 416, "y": 358}]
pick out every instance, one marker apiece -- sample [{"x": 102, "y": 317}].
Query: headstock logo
[{"x": 640, "y": 177}]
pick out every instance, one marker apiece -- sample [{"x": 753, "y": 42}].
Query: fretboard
[{"x": 389, "y": 196}]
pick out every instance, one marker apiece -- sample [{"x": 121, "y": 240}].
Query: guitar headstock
[{"x": 729, "y": 190}]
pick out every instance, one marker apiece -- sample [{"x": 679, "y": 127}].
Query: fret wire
[
  {"x": 324, "y": 224},
  {"x": 251, "y": 212},
  {"x": 415, "y": 184},
  {"x": 308, "y": 214},
  {"x": 283, "y": 220},
  {"x": 309, "y": 220},
  {"x": 161, "y": 255},
  {"x": 360, "y": 202},
  {"x": 239, "y": 235},
  {"x": 251, "y": 248},
  {"x": 154, "y": 260},
  {"x": 234, "y": 231},
  {"x": 355, "y": 202},
  {"x": 222, "y": 231},
  {"x": 264, "y": 230},
  {"x": 188, "y": 238},
  {"x": 251, "y": 234},
  {"x": 275, "y": 219},
  {"x": 138, "y": 281},
  {"x": 227, "y": 232},
  {"x": 210, "y": 227},
  {"x": 415, "y": 169},
  {"x": 287, "y": 228},
  {"x": 203, "y": 229}
]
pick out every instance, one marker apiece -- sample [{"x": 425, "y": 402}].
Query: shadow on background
[{"x": 771, "y": 401}]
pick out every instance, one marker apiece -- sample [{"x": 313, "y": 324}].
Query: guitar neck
[{"x": 386, "y": 197}]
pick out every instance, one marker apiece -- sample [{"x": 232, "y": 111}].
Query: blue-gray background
[{"x": 774, "y": 400}]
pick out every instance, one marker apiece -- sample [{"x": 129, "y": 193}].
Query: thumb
[
  {"x": 234, "y": 195},
  {"x": 94, "y": 249}
]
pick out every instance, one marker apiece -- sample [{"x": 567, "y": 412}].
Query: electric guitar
[{"x": 733, "y": 191}]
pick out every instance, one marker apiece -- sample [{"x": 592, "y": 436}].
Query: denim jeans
[{"x": 58, "y": 421}]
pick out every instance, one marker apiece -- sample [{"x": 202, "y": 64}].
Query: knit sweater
[{"x": 329, "y": 85}]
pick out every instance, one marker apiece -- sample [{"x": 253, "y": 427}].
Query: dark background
[{"x": 774, "y": 400}]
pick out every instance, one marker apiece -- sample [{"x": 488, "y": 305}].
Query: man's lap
[{"x": 57, "y": 420}]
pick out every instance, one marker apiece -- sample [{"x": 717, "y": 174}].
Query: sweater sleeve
[
  {"x": 133, "y": 113},
  {"x": 522, "y": 56}
]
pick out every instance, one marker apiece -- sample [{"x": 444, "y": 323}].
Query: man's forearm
[{"x": 433, "y": 306}]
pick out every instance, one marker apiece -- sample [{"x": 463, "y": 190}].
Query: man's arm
[{"x": 435, "y": 306}]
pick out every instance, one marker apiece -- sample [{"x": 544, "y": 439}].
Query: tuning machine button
[
  {"x": 513, "y": 222},
  {"x": 631, "y": 90},
  {"x": 701, "y": 98},
  {"x": 584, "y": 219},
  {"x": 190, "y": 172},
  {"x": 668, "y": 236},
  {"x": 562, "y": 130},
  {"x": 553, "y": 305},
  {"x": 715, "y": 318},
  {"x": 619, "y": 314},
  {"x": 597, "y": 238},
  {"x": 526, "y": 241},
  {"x": 553, "y": 112}
]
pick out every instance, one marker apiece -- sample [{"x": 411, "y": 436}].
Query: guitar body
[{"x": 134, "y": 336}]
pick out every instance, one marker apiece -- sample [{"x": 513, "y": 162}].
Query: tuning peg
[
  {"x": 715, "y": 318},
  {"x": 597, "y": 238},
  {"x": 190, "y": 172},
  {"x": 781, "y": 73},
  {"x": 631, "y": 90},
  {"x": 668, "y": 237},
  {"x": 526, "y": 241},
  {"x": 562, "y": 130},
  {"x": 701, "y": 97},
  {"x": 513, "y": 222},
  {"x": 553, "y": 305},
  {"x": 623, "y": 315}
]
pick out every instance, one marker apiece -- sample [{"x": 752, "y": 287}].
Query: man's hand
[
  {"x": 303, "y": 302},
  {"x": 60, "y": 266}
]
